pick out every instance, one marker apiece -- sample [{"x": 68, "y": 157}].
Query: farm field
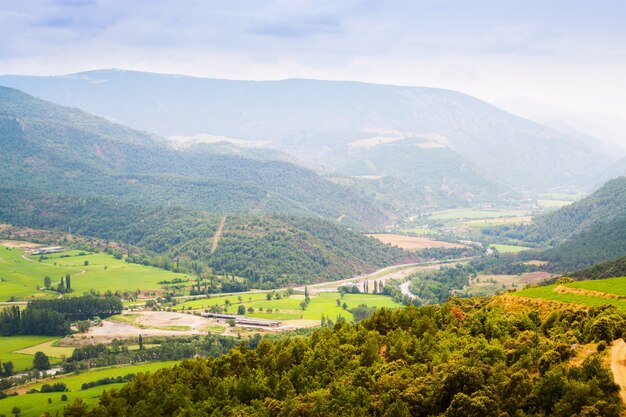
[
  {"x": 21, "y": 349},
  {"x": 473, "y": 214},
  {"x": 553, "y": 204},
  {"x": 492, "y": 222},
  {"x": 610, "y": 287},
  {"x": 36, "y": 404},
  {"x": 289, "y": 307},
  {"x": 22, "y": 275},
  {"x": 413, "y": 242},
  {"x": 509, "y": 248}
]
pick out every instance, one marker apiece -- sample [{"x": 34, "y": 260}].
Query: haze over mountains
[{"x": 350, "y": 128}]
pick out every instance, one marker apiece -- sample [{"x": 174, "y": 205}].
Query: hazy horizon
[{"x": 568, "y": 54}]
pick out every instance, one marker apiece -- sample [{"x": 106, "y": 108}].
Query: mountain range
[{"x": 465, "y": 145}]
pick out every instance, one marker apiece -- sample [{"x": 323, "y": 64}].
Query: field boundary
[{"x": 561, "y": 289}]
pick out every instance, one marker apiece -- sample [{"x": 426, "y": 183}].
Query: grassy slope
[
  {"x": 22, "y": 276},
  {"x": 614, "y": 286}
]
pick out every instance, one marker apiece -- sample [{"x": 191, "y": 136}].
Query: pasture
[
  {"x": 587, "y": 293},
  {"x": 509, "y": 248},
  {"x": 20, "y": 275},
  {"x": 414, "y": 243},
  {"x": 475, "y": 214},
  {"x": 288, "y": 308},
  {"x": 21, "y": 349},
  {"x": 36, "y": 404}
]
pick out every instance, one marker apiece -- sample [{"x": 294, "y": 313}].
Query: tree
[
  {"x": 77, "y": 408},
  {"x": 68, "y": 285},
  {"x": 303, "y": 305},
  {"x": 82, "y": 325},
  {"x": 7, "y": 368},
  {"x": 86, "y": 263},
  {"x": 307, "y": 297},
  {"x": 16, "y": 411},
  {"x": 140, "y": 342},
  {"x": 47, "y": 281},
  {"x": 41, "y": 361},
  {"x": 232, "y": 322},
  {"x": 241, "y": 310}
]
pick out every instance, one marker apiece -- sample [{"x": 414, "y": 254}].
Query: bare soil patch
[
  {"x": 146, "y": 323},
  {"x": 19, "y": 244},
  {"x": 618, "y": 366},
  {"x": 413, "y": 242}
]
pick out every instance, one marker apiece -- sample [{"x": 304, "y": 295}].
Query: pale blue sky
[{"x": 569, "y": 53}]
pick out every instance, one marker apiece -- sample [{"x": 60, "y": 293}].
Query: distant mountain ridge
[{"x": 320, "y": 122}]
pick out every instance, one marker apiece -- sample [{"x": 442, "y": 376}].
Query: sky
[{"x": 565, "y": 53}]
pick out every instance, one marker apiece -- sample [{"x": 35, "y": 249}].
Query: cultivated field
[
  {"x": 474, "y": 214},
  {"x": 587, "y": 293},
  {"x": 413, "y": 242},
  {"x": 288, "y": 308},
  {"x": 36, "y": 404},
  {"x": 509, "y": 248},
  {"x": 21, "y": 349},
  {"x": 20, "y": 275}
]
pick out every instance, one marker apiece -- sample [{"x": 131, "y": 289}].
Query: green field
[
  {"x": 28, "y": 345},
  {"x": 553, "y": 203},
  {"x": 475, "y": 214},
  {"x": 36, "y": 404},
  {"x": 509, "y": 248},
  {"x": 20, "y": 277},
  {"x": 289, "y": 307},
  {"x": 615, "y": 286},
  {"x": 610, "y": 286}
]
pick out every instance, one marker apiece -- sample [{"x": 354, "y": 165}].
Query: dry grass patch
[{"x": 413, "y": 242}]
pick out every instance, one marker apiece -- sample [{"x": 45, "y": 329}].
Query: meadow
[
  {"x": 36, "y": 404},
  {"x": 612, "y": 287},
  {"x": 509, "y": 248},
  {"x": 21, "y": 349},
  {"x": 475, "y": 214},
  {"x": 288, "y": 308},
  {"x": 20, "y": 276}
]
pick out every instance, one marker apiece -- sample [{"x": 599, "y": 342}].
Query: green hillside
[
  {"x": 269, "y": 251},
  {"x": 578, "y": 235},
  {"x": 49, "y": 147}
]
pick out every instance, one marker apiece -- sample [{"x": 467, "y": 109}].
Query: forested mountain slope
[
  {"x": 456, "y": 360},
  {"x": 581, "y": 234},
  {"x": 333, "y": 124},
  {"x": 48, "y": 147},
  {"x": 269, "y": 251}
]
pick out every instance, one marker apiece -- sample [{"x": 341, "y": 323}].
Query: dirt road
[
  {"x": 218, "y": 234},
  {"x": 618, "y": 366}
]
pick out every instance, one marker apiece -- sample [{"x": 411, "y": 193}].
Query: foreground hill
[
  {"x": 269, "y": 251},
  {"x": 337, "y": 125},
  {"x": 460, "y": 359},
  {"x": 48, "y": 147}
]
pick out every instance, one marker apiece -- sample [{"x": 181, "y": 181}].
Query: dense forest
[
  {"x": 269, "y": 251},
  {"x": 463, "y": 358}
]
